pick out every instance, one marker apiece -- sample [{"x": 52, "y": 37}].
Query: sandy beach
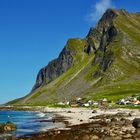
[
  {"x": 92, "y": 124},
  {"x": 77, "y": 116}
]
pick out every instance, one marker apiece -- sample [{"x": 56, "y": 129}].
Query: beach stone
[
  {"x": 108, "y": 138},
  {"x": 76, "y": 138},
  {"x": 58, "y": 132},
  {"x": 127, "y": 136},
  {"x": 117, "y": 138},
  {"x": 137, "y": 138},
  {"x": 85, "y": 137},
  {"x": 90, "y": 129},
  {"x": 122, "y": 119},
  {"x": 122, "y": 114},
  {"x": 138, "y": 131},
  {"x": 130, "y": 114},
  {"x": 113, "y": 120},
  {"x": 94, "y": 111},
  {"x": 136, "y": 123},
  {"x": 95, "y": 137},
  {"x": 112, "y": 134}
]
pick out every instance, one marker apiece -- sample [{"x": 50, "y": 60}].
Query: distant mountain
[{"x": 106, "y": 63}]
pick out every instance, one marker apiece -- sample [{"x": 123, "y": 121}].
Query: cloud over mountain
[{"x": 98, "y": 9}]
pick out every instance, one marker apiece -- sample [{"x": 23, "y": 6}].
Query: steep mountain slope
[{"x": 106, "y": 63}]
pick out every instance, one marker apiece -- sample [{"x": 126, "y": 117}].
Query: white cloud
[{"x": 98, "y": 9}]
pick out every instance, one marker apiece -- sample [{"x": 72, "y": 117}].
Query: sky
[{"x": 33, "y": 32}]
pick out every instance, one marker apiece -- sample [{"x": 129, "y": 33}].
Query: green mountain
[{"x": 106, "y": 63}]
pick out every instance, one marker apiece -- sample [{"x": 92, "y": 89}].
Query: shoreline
[
  {"x": 96, "y": 124},
  {"x": 82, "y": 120}
]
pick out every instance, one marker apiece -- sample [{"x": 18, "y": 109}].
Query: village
[{"x": 82, "y": 102}]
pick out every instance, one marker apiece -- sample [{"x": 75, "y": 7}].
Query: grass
[
  {"x": 38, "y": 93},
  {"x": 76, "y": 46},
  {"x": 130, "y": 25},
  {"x": 125, "y": 106},
  {"x": 58, "y": 106},
  {"x": 89, "y": 75},
  {"x": 74, "y": 69},
  {"x": 116, "y": 91},
  {"x": 41, "y": 103},
  {"x": 14, "y": 101}
]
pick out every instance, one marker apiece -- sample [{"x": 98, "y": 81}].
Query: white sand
[{"x": 78, "y": 114}]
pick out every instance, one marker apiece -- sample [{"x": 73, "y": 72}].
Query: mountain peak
[
  {"x": 115, "y": 11},
  {"x": 110, "y": 10},
  {"x": 108, "y": 16},
  {"x": 111, "y": 13}
]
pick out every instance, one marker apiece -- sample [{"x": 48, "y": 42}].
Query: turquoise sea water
[{"x": 28, "y": 122}]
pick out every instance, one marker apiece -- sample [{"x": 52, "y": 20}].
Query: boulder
[
  {"x": 94, "y": 111},
  {"x": 94, "y": 137},
  {"x": 85, "y": 137},
  {"x": 9, "y": 126},
  {"x": 136, "y": 123}
]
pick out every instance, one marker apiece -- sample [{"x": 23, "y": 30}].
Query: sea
[{"x": 28, "y": 122}]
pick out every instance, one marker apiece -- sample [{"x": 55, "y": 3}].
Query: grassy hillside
[{"x": 123, "y": 77}]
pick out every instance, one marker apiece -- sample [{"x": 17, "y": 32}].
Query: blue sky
[{"x": 33, "y": 32}]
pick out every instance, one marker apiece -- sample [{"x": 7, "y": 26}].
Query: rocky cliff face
[
  {"x": 108, "y": 32},
  {"x": 55, "y": 68},
  {"x": 106, "y": 63},
  {"x": 65, "y": 60}
]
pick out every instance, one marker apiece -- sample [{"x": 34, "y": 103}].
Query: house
[
  {"x": 103, "y": 101},
  {"x": 124, "y": 101},
  {"x": 74, "y": 105},
  {"x": 86, "y": 105},
  {"x": 135, "y": 102},
  {"x": 60, "y": 103},
  {"x": 67, "y": 103},
  {"x": 79, "y": 99},
  {"x": 95, "y": 103},
  {"x": 90, "y": 102},
  {"x": 129, "y": 101},
  {"x": 103, "y": 104}
]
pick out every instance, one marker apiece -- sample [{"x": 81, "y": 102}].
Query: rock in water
[{"x": 6, "y": 127}]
